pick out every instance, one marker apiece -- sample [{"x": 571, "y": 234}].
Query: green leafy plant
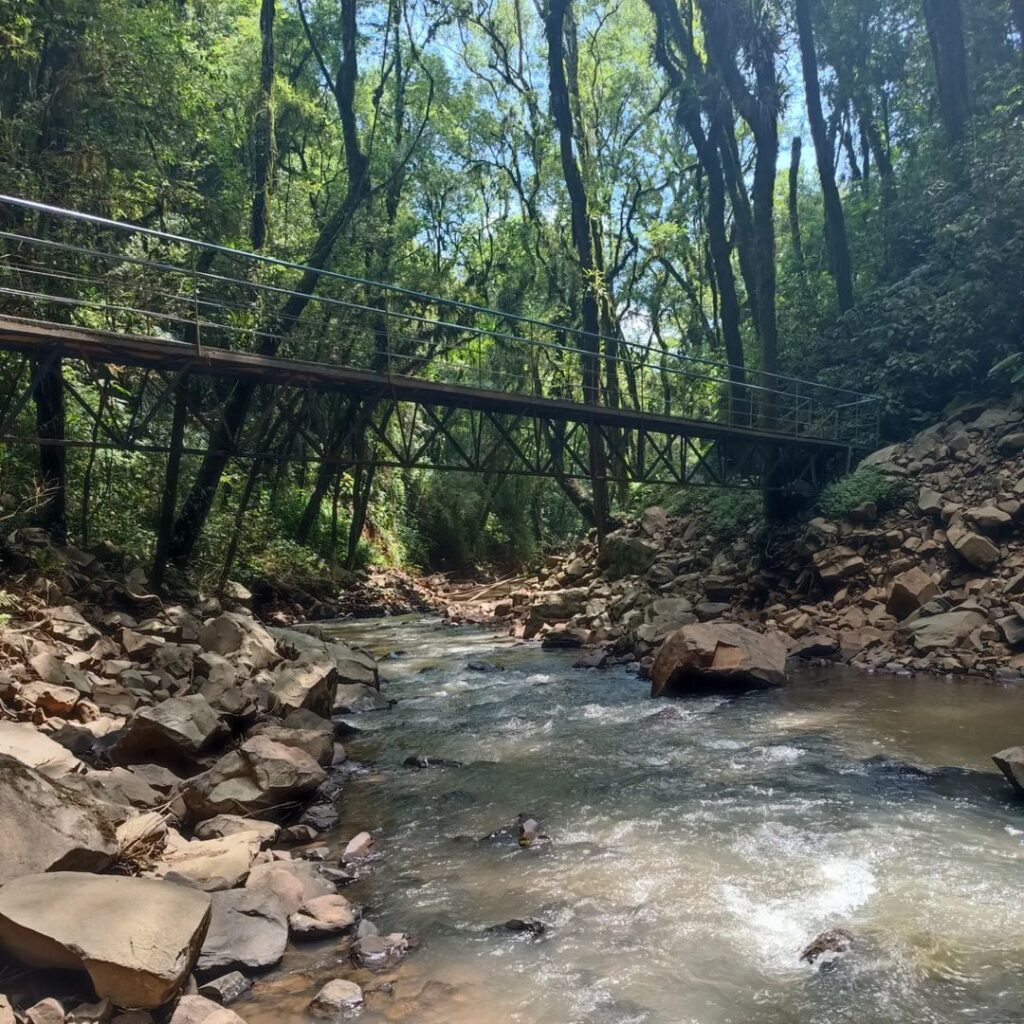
[{"x": 866, "y": 485}]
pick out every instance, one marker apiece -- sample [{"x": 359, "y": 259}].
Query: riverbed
[{"x": 695, "y": 853}]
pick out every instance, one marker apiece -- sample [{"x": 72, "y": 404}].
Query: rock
[
  {"x": 1010, "y": 444},
  {"x": 309, "y": 686},
  {"x": 910, "y": 590},
  {"x": 137, "y": 938},
  {"x": 322, "y": 916},
  {"x": 231, "y": 824},
  {"x": 422, "y": 763},
  {"x": 525, "y": 925},
  {"x": 6, "y": 1011},
  {"x": 1012, "y": 628},
  {"x": 291, "y": 883},
  {"x": 319, "y": 744},
  {"x": 715, "y": 655},
  {"x": 1011, "y": 763},
  {"x": 380, "y": 950},
  {"x": 48, "y": 667},
  {"x": 227, "y": 988},
  {"x": 261, "y": 776},
  {"x": 223, "y": 634},
  {"x": 829, "y": 944},
  {"x": 623, "y": 555},
  {"x": 357, "y": 698},
  {"x": 815, "y": 645},
  {"x": 360, "y": 847},
  {"x": 24, "y": 743},
  {"x": 989, "y": 519},
  {"x": 57, "y": 829},
  {"x": 175, "y": 733},
  {"x": 92, "y": 1013},
  {"x": 709, "y": 610},
  {"x": 938, "y": 632},
  {"x": 972, "y": 547},
  {"x": 1015, "y": 586},
  {"x": 53, "y": 700},
  {"x": 195, "y": 1009},
  {"x": 211, "y": 864},
  {"x": 930, "y": 502},
  {"x": 46, "y": 1011},
  {"x": 838, "y": 563},
  {"x": 336, "y": 998},
  {"x": 68, "y": 624},
  {"x": 248, "y": 932}
]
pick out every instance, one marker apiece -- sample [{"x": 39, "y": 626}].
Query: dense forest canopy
[{"x": 828, "y": 188}]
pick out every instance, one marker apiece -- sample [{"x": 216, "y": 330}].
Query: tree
[
  {"x": 945, "y": 23},
  {"x": 835, "y": 223}
]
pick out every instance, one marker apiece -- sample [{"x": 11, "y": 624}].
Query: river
[{"x": 694, "y": 854}]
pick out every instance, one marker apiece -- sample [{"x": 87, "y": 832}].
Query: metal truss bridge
[{"x": 150, "y": 336}]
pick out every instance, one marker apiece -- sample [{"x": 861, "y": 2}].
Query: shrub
[{"x": 867, "y": 484}]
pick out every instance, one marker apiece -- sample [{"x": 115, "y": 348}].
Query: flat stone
[
  {"x": 57, "y": 829},
  {"x": 23, "y": 742},
  {"x": 46, "y": 1011},
  {"x": 948, "y": 630},
  {"x": 137, "y": 938},
  {"x": 248, "y": 932},
  {"x": 292, "y": 883},
  {"x": 211, "y": 864}
]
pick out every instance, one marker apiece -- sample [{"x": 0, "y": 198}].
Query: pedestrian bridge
[{"x": 440, "y": 382}]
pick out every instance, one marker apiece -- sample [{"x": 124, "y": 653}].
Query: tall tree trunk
[
  {"x": 165, "y": 527},
  {"x": 835, "y": 223},
  {"x": 50, "y": 424},
  {"x": 561, "y": 111},
  {"x": 679, "y": 67},
  {"x": 263, "y": 132},
  {"x": 794, "y": 199},
  {"x": 944, "y": 20}
]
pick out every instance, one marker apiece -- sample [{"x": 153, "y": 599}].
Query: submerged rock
[
  {"x": 722, "y": 655},
  {"x": 137, "y": 938},
  {"x": 335, "y": 998},
  {"x": 828, "y": 945}
]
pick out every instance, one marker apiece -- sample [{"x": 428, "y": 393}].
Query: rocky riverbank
[
  {"x": 933, "y": 584},
  {"x": 170, "y": 770}
]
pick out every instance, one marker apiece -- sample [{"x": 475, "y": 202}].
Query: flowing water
[{"x": 695, "y": 853}]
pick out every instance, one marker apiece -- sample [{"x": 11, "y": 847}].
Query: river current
[{"x": 695, "y": 853}]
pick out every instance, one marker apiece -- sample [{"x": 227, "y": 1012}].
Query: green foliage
[{"x": 866, "y": 484}]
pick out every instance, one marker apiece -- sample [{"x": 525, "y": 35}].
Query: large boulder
[
  {"x": 310, "y": 685},
  {"x": 175, "y": 732},
  {"x": 948, "y": 629},
  {"x": 47, "y": 827},
  {"x": 137, "y": 938},
  {"x": 248, "y": 932},
  {"x": 910, "y": 590},
  {"x": 623, "y": 555},
  {"x": 260, "y": 777},
  {"x": 240, "y": 637},
  {"x": 23, "y": 742},
  {"x": 1011, "y": 763},
  {"x": 557, "y": 605},
  {"x": 972, "y": 547},
  {"x": 318, "y": 742},
  {"x": 664, "y": 616},
  {"x": 718, "y": 655}
]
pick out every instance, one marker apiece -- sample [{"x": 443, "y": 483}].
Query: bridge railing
[{"x": 60, "y": 266}]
